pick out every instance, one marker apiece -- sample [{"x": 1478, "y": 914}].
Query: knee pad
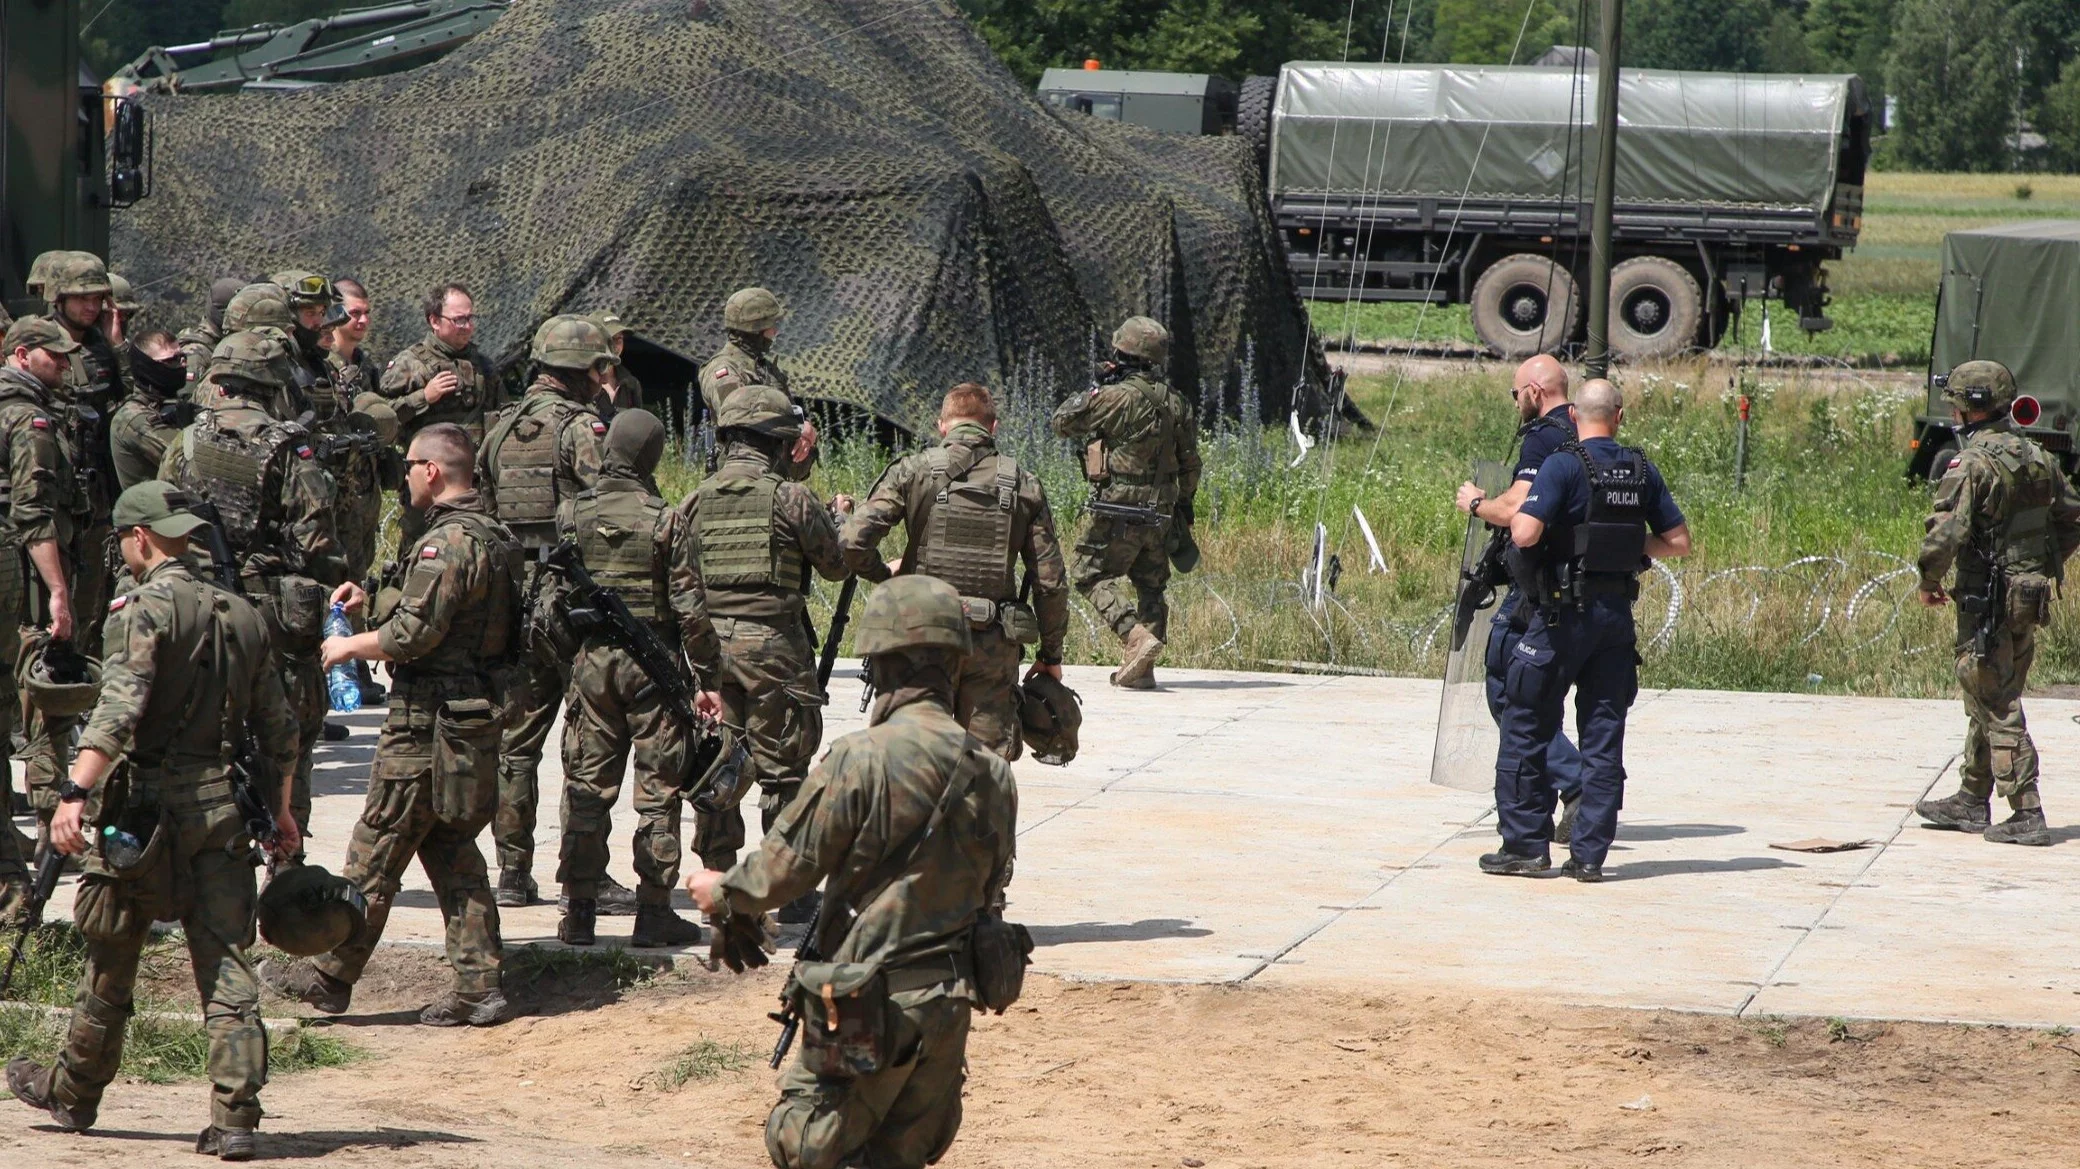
[{"x": 802, "y": 1133}]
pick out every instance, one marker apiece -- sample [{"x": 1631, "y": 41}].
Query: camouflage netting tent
[{"x": 926, "y": 219}]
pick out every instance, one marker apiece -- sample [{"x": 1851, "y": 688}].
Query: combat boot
[
  {"x": 1563, "y": 832},
  {"x": 31, "y": 1084},
  {"x": 1586, "y": 874},
  {"x": 657, "y": 926},
  {"x": 307, "y": 984},
  {"x": 516, "y": 889},
  {"x": 1962, "y": 811},
  {"x": 1504, "y": 863},
  {"x": 613, "y": 899},
  {"x": 579, "y": 917},
  {"x": 2026, "y": 826},
  {"x": 801, "y": 909},
  {"x": 229, "y": 1144},
  {"x": 1137, "y": 667},
  {"x": 454, "y": 1009}
]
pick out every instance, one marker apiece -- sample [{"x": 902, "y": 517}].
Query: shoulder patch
[
  {"x": 116, "y": 606},
  {"x": 40, "y": 423},
  {"x": 303, "y": 452},
  {"x": 1954, "y": 461},
  {"x": 598, "y": 427},
  {"x": 429, "y": 552},
  {"x": 721, "y": 371}
]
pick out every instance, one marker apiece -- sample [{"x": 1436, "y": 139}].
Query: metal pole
[
  {"x": 1599, "y": 356},
  {"x": 1740, "y": 449}
]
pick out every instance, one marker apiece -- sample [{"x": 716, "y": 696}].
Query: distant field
[{"x": 1884, "y": 290}]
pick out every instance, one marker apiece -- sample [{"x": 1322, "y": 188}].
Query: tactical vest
[
  {"x": 617, "y": 539},
  {"x": 1613, "y": 537},
  {"x": 739, "y": 534},
  {"x": 967, "y": 539},
  {"x": 1144, "y": 454},
  {"x": 523, "y": 460},
  {"x": 2025, "y": 543},
  {"x": 230, "y": 469},
  {"x": 490, "y": 632}
]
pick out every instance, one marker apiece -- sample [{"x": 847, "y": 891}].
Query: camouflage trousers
[
  {"x": 986, "y": 698},
  {"x": 531, "y": 713},
  {"x": 205, "y": 881},
  {"x": 1113, "y": 557},
  {"x": 14, "y": 847},
  {"x": 613, "y": 714},
  {"x": 1999, "y": 755},
  {"x": 430, "y": 792},
  {"x": 769, "y": 692},
  {"x": 303, "y": 680},
  {"x": 903, "y": 1117},
  {"x": 360, "y": 526},
  {"x": 93, "y": 584}
]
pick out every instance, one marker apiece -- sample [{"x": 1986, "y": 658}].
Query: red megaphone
[{"x": 2026, "y": 411}]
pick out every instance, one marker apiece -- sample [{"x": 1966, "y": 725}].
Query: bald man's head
[
  {"x": 1597, "y": 406},
  {"x": 1540, "y": 385}
]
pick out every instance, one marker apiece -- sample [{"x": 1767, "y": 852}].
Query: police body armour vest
[
  {"x": 617, "y": 539},
  {"x": 523, "y": 455},
  {"x": 229, "y": 468},
  {"x": 739, "y": 538},
  {"x": 1613, "y": 537},
  {"x": 967, "y": 539},
  {"x": 2025, "y": 539}
]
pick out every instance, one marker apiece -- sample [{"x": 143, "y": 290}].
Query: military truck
[
  {"x": 1183, "y": 103},
  {"x": 1465, "y": 184},
  {"x": 2007, "y": 294}
]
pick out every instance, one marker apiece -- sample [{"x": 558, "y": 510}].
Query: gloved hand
[
  {"x": 1184, "y": 513},
  {"x": 741, "y": 941}
]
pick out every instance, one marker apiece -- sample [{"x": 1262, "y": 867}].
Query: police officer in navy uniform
[
  {"x": 1594, "y": 516},
  {"x": 1540, "y": 393}
]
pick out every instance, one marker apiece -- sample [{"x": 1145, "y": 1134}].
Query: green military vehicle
[
  {"x": 2007, "y": 295},
  {"x": 1183, "y": 103},
  {"x": 1470, "y": 184}
]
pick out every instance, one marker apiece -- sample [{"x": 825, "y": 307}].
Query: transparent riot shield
[{"x": 1467, "y": 738}]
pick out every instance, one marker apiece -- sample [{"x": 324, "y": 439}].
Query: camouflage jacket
[
  {"x": 39, "y": 487},
  {"x": 138, "y": 436},
  {"x": 198, "y": 341},
  {"x": 1151, "y": 437},
  {"x": 749, "y": 363},
  {"x": 680, "y": 595},
  {"x": 469, "y": 404},
  {"x": 168, "y": 695},
  {"x": 905, "y": 495},
  {"x": 298, "y": 500},
  {"x": 799, "y": 519},
  {"x": 1979, "y": 493},
  {"x": 453, "y": 599},
  {"x": 863, "y": 804},
  {"x": 580, "y": 445},
  {"x": 353, "y": 380}
]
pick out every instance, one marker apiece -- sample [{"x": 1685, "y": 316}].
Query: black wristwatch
[{"x": 70, "y": 792}]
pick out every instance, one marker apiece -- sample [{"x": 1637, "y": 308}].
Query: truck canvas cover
[
  {"x": 1502, "y": 132},
  {"x": 2008, "y": 296}
]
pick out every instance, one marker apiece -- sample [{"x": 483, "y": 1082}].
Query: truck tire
[
  {"x": 1657, "y": 309},
  {"x": 1525, "y": 305},
  {"x": 1253, "y": 117}
]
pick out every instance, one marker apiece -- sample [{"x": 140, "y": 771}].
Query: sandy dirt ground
[{"x": 1117, "y": 1074}]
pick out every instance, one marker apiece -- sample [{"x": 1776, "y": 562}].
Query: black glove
[
  {"x": 740, "y": 941},
  {"x": 1184, "y": 513}
]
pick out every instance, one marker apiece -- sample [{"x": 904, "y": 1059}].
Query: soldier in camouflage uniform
[
  {"x": 913, "y": 823},
  {"x": 972, "y": 514},
  {"x": 36, "y": 531},
  {"x": 751, "y": 538},
  {"x": 279, "y": 507},
  {"x": 199, "y": 340},
  {"x": 452, "y": 631},
  {"x": 626, "y": 393},
  {"x": 751, "y": 319},
  {"x": 310, "y": 297},
  {"x": 1146, "y": 454},
  {"x": 78, "y": 294},
  {"x": 624, "y": 532},
  {"x": 538, "y": 453},
  {"x": 442, "y": 378},
  {"x": 2006, "y": 517},
  {"x": 154, "y": 413},
  {"x": 370, "y": 475},
  {"x": 185, "y": 674}
]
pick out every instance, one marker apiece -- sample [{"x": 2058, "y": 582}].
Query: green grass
[
  {"x": 529, "y": 966},
  {"x": 156, "y": 1048},
  {"x": 703, "y": 1061}
]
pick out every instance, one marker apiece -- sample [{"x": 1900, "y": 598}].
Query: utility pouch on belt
[
  {"x": 981, "y": 614},
  {"x": 1020, "y": 623},
  {"x": 1000, "y": 951},
  {"x": 296, "y": 606},
  {"x": 465, "y": 760},
  {"x": 848, "y": 1022},
  {"x": 1094, "y": 461},
  {"x": 2029, "y": 599}
]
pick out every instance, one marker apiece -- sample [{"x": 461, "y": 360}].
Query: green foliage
[
  {"x": 1696, "y": 34},
  {"x": 705, "y": 1060},
  {"x": 2059, "y": 118},
  {"x": 1952, "y": 66},
  {"x": 1477, "y": 32},
  {"x": 530, "y": 966}
]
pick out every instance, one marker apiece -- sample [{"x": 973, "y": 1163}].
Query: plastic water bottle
[
  {"x": 121, "y": 849},
  {"x": 341, "y": 681}
]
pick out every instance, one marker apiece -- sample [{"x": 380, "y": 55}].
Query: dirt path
[{"x": 1111, "y": 1075}]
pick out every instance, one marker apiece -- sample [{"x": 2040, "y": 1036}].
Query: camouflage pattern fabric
[
  {"x": 924, "y": 216},
  {"x": 197, "y": 342},
  {"x": 747, "y": 360},
  {"x": 44, "y": 503},
  {"x": 468, "y": 405},
  {"x": 138, "y": 440},
  {"x": 768, "y": 687},
  {"x": 1114, "y": 559},
  {"x": 614, "y": 717}
]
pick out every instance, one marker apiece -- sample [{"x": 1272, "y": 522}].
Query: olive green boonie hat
[
  {"x": 39, "y": 333},
  {"x": 157, "y": 505}
]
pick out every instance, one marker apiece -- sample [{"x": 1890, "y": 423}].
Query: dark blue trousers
[
  {"x": 1593, "y": 653},
  {"x": 1563, "y": 762}
]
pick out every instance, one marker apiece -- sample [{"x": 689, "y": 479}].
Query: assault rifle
[
  {"x": 790, "y": 1020},
  {"x": 1477, "y": 584},
  {"x": 1129, "y": 514},
  {"x": 249, "y": 771},
  {"x": 32, "y": 913},
  {"x": 1991, "y": 609},
  {"x": 841, "y": 616},
  {"x": 592, "y": 608}
]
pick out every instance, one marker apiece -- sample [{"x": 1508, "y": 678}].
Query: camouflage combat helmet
[
  {"x": 59, "y": 680},
  {"x": 123, "y": 294},
  {"x": 40, "y": 272},
  {"x": 259, "y": 306},
  {"x": 1980, "y": 385},
  {"x": 571, "y": 342},
  {"x": 1142, "y": 337},
  {"x": 761, "y": 409},
  {"x": 260, "y": 358},
  {"x": 74, "y": 274},
  {"x": 1049, "y": 716},
  {"x": 721, "y": 769},
  {"x": 307, "y": 911},
  {"x": 912, "y": 612},
  {"x": 752, "y": 310}
]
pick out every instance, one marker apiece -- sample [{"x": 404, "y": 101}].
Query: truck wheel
[
  {"x": 1253, "y": 116},
  {"x": 1525, "y": 304},
  {"x": 1656, "y": 308}
]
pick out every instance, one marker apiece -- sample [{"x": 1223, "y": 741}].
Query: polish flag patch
[
  {"x": 599, "y": 427},
  {"x": 40, "y": 423},
  {"x": 429, "y": 552},
  {"x": 116, "y": 606},
  {"x": 303, "y": 452}
]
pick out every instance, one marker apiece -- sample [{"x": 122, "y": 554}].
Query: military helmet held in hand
[
  {"x": 1142, "y": 337},
  {"x": 307, "y": 911},
  {"x": 1980, "y": 385},
  {"x": 61, "y": 681},
  {"x": 259, "y": 306},
  {"x": 762, "y": 409},
  {"x": 1049, "y": 716},
  {"x": 752, "y": 310},
  {"x": 913, "y": 612},
  {"x": 257, "y": 357},
  {"x": 571, "y": 342}
]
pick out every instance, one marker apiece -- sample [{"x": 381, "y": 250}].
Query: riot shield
[{"x": 1464, "y": 754}]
